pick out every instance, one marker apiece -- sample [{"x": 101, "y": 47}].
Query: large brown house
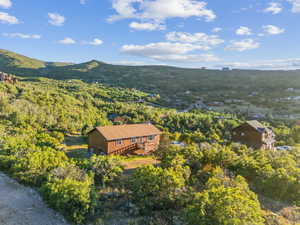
[
  {"x": 124, "y": 139},
  {"x": 254, "y": 135}
]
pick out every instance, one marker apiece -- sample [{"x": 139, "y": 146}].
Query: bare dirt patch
[{"x": 21, "y": 205}]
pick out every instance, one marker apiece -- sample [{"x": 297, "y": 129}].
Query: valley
[{"x": 251, "y": 93}]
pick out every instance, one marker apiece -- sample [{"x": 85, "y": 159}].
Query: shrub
[
  {"x": 35, "y": 165},
  {"x": 72, "y": 197},
  {"x": 106, "y": 168},
  {"x": 158, "y": 188},
  {"x": 224, "y": 201}
]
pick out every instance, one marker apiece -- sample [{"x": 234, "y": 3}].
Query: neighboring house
[
  {"x": 254, "y": 135},
  {"x": 124, "y": 139}
]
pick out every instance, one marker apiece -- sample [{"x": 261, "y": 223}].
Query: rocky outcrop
[{"x": 8, "y": 78}]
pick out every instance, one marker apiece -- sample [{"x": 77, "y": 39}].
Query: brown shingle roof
[{"x": 127, "y": 131}]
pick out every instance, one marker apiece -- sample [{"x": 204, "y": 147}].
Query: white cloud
[
  {"x": 147, "y": 26},
  {"x": 276, "y": 64},
  {"x": 296, "y": 5},
  {"x": 272, "y": 30},
  {"x": 274, "y": 8},
  {"x": 243, "y": 31},
  {"x": 8, "y": 19},
  {"x": 130, "y": 63},
  {"x": 187, "y": 58},
  {"x": 95, "y": 41},
  {"x": 168, "y": 51},
  {"x": 23, "y": 36},
  {"x": 201, "y": 39},
  {"x": 6, "y": 4},
  {"x": 82, "y": 2},
  {"x": 160, "y": 48},
  {"x": 67, "y": 41},
  {"x": 56, "y": 19},
  {"x": 179, "y": 47},
  {"x": 160, "y": 10},
  {"x": 243, "y": 45},
  {"x": 217, "y": 29}
]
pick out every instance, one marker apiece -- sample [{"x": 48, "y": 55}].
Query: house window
[
  {"x": 242, "y": 134},
  {"x": 151, "y": 138},
  {"x": 133, "y": 140},
  {"x": 141, "y": 139},
  {"x": 119, "y": 142}
]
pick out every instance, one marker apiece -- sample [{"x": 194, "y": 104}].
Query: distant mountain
[
  {"x": 13, "y": 60},
  {"x": 20, "y": 64},
  {"x": 178, "y": 87}
]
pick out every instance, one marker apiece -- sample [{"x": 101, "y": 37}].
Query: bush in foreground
[{"x": 224, "y": 201}]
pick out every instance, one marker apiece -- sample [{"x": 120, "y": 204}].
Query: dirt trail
[{"x": 21, "y": 205}]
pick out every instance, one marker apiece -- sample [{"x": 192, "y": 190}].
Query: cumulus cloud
[
  {"x": 273, "y": 8},
  {"x": 5, "y": 18},
  {"x": 243, "y": 45},
  {"x": 187, "y": 58},
  {"x": 95, "y": 42},
  {"x": 168, "y": 51},
  {"x": 276, "y": 64},
  {"x": 6, "y": 4},
  {"x": 217, "y": 29},
  {"x": 23, "y": 36},
  {"x": 67, "y": 41},
  {"x": 243, "y": 31},
  {"x": 295, "y": 5},
  {"x": 201, "y": 39},
  {"x": 160, "y": 48},
  {"x": 272, "y": 30},
  {"x": 56, "y": 19},
  {"x": 130, "y": 63},
  {"x": 160, "y": 10},
  {"x": 147, "y": 26}
]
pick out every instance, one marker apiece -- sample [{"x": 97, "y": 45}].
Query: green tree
[
  {"x": 155, "y": 187},
  {"x": 72, "y": 197},
  {"x": 106, "y": 168},
  {"x": 224, "y": 201}
]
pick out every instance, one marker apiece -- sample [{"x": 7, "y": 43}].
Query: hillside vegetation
[
  {"x": 13, "y": 60},
  {"x": 208, "y": 181},
  {"x": 260, "y": 91}
]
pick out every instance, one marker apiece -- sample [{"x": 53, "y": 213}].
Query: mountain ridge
[{"x": 17, "y": 56}]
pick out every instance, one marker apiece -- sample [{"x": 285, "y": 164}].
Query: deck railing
[{"x": 125, "y": 150}]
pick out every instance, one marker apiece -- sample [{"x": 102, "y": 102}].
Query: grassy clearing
[
  {"x": 76, "y": 147},
  {"x": 138, "y": 161}
]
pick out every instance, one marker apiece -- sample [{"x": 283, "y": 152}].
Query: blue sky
[{"x": 261, "y": 34}]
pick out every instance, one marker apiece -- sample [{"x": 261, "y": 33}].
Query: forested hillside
[
  {"x": 207, "y": 181},
  {"x": 271, "y": 93}
]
